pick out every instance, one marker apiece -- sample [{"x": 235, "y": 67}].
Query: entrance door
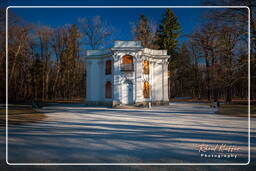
[{"x": 127, "y": 93}]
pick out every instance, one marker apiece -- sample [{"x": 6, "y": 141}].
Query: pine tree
[
  {"x": 168, "y": 32},
  {"x": 166, "y": 38}
]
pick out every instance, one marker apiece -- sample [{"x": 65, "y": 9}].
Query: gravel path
[{"x": 169, "y": 134}]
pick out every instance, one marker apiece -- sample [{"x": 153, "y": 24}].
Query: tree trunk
[
  {"x": 215, "y": 94},
  {"x": 228, "y": 94},
  {"x": 14, "y": 62}
]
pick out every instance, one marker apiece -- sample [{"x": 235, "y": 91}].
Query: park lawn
[
  {"x": 237, "y": 110},
  {"x": 20, "y": 114}
]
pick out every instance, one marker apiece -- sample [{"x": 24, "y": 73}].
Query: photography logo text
[{"x": 217, "y": 150}]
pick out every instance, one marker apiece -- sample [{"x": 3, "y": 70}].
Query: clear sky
[{"x": 120, "y": 19}]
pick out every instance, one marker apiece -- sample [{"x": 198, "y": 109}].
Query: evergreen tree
[
  {"x": 166, "y": 38},
  {"x": 168, "y": 32}
]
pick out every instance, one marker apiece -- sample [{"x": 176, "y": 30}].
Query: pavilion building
[{"x": 126, "y": 74}]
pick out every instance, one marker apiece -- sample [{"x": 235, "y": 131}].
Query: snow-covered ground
[{"x": 166, "y": 134}]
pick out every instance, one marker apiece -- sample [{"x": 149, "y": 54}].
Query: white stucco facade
[{"x": 125, "y": 83}]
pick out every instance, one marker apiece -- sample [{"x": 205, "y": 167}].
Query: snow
[{"x": 166, "y": 134}]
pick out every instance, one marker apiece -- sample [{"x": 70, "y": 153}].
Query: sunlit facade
[{"x": 126, "y": 74}]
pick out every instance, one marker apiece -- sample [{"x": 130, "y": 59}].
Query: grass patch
[
  {"x": 20, "y": 114},
  {"x": 236, "y": 110}
]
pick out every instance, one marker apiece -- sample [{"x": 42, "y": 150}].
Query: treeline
[
  {"x": 213, "y": 63},
  {"x": 44, "y": 63}
]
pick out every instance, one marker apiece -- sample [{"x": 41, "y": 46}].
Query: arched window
[
  {"x": 146, "y": 67},
  {"x": 108, "y": 67},
  {"x": 127, "y": 59},
  {"x": 108, "y": 90},
  {"x": 146, "y": 89}
]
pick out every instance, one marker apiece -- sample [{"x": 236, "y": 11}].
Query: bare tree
[
  {"x": 205, "y": 37},
  {"x": 229, "y": 38},
  {"x": 44, "y": 34},
  {"x": 145, "y": 31},
  {"x": 59, "y": 45},
  {"x": 238, "y": 17},
  {"x": 195, "y": 53},
  {"x": 96, "y": 32},
  {"x": 68, "y": 76}
]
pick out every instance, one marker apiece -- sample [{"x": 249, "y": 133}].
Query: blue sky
[{"x": 120, "y": 19}]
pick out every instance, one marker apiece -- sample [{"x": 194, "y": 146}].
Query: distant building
[{"x": 126, "y": 74}]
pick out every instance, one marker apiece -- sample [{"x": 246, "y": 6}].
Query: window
[
  {"x": 146, "y": 89},
  {"x": 108, "y": 67},
  {"x": 127, "y": 59},
  {"x": 146, "y": 67},
  {"x": 108, "y": 90},
  {"x": 127, "y": 63}
]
